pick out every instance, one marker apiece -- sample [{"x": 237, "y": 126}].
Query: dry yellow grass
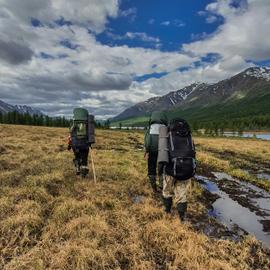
[
  {"x": 235, "y": 156},
  {"x": 51, "y": 219}
]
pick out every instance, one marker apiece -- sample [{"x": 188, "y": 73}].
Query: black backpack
[{"x": 182, "y": 163}]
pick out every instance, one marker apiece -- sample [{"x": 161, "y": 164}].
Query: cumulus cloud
[
  {"x": 14, "y": 53},
  {"x": 142, "y": 36},
  {"x": 166, "y": 23},
  {"x": 243, "y": 33},
  {"x": 211, "y": 19},
  {"x": 208, "y": 73},
  {"x": 131, "y": 13},
  {"x": 84, "y": 72},
  {"x": 101, "y": 82},
  {"x": 133, "y": 35},
  {"x": 93, "y": 13},
  {"x": 175, "y": 22}
]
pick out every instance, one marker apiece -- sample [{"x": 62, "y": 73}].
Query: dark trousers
[
  {"x": 81, "y": 156},
  {"x": 153, "y": 167}
]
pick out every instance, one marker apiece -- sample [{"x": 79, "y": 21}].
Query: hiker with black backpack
[
  {"x": 177, "y": 156},
  {"x": 157, "y": 119},
  {"x": 82, "y": 136}
]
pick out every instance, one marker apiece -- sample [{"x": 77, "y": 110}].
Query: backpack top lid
[
  {"x": 180, "y": 127},
  {"x": 158, "y": 117},
  {"x": 80, "y": 114}
]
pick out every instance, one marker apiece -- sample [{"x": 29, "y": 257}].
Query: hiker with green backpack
[
  {"x": 157, "y": 119},
  {"x": 177, "y": 157},
  {"x": 82, "y": 136}
]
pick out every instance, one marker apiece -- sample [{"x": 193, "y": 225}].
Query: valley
[{"x": 51, "y": 219}]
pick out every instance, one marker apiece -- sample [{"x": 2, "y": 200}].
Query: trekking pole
[{"x": 93, "y": 166}]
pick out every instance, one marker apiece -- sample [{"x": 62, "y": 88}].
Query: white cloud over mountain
[
  {"x": 60, "y": 64},
  {"x": 243, "y": 33}
]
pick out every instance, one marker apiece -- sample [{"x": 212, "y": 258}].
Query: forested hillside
[{"x": 240, "y": 102}]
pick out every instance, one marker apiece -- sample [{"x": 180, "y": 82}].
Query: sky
[{"x": 107, "y": 55}]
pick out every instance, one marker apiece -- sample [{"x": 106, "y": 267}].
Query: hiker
[
  {"x": 157, "y": 119},
  {"x": 177, "y": 155},
  {"x": 82, "y": 136}
]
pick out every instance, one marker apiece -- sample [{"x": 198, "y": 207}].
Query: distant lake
[
  {"x": 256, "y": 135},
  {"x": 263, "y": 136}
]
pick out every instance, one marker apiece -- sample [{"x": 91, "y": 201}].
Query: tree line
[
  {"x": 17, "y": 118},
  {"x": 33, "y": 120},
  {"x": 210, "y": 127},
  {"x": 217, "y": 127},
  {"x": 237, "y": 125}
]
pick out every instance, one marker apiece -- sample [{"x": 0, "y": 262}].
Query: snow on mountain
[
  {"x": 201, "y": 95},
  {"x": 259, "y": 73},
  {"x": 5, "y": 108}
]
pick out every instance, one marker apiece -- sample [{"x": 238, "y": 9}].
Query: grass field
[
  {"x": 51, "y": 219},
  {"x": 235, "y": 156}
]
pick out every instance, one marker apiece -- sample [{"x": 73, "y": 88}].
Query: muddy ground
[{"x": 221, "y": 189}]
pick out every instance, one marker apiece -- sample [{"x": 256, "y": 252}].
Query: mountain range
[
  {"x": 6, "y": 108},
  {"x": 246, "y": 94},
  {"x": 243, "y": 95}
]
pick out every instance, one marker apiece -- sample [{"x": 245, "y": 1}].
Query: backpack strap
[{"x": 171, "y": 141}]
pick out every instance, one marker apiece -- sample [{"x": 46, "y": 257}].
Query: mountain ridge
[
  {"x": 22, "y": 109},
  {"x": 250, "y": 83}
]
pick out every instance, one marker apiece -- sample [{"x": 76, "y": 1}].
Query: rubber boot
[
  {"x": 168, "y": 204},
  {"x": 84, "y": 171},
  {"x": 160, "y": 182},
  {"x": 78, "y": 170},
  {"x": 77, "y": 165},
  {"x": 152, "y": 180},
  {"x": 182, "y": 208}
]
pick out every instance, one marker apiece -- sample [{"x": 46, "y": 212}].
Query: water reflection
[
  {"x": 230, "y": 212},
  {"x": 262, "y": 136},
  {"x": 264, "y": 176}
]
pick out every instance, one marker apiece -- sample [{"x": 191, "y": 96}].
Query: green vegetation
[
  {"x": 240, "y": 115},
  {"x": 136, "y": 122},
  {"x": 236, "y": 157},
  {"x": 33, "y": 120}
]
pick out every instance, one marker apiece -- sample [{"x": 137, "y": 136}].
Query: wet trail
[{"x": 239, "y": 205}]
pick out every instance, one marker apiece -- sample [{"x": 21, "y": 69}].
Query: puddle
[
  {"x": 247, "y": 194},
  {"x": 222, "y": 175},
  {"x": 239, "y": 204},
  {"x": 219, "y": 232},
  {"x": 264, "y": 176},
  {"x": 259, "y": 174}
]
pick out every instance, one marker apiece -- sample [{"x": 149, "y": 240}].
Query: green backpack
[
  {"x": 83, "y": 128},
  {"x": 80, "y": 114},
  {"x": 80, "y": 129}
]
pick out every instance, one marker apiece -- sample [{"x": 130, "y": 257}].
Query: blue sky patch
[
  {"x": 66, "y": 43},
  {"x": 46, "y": 55},
  {"x": 62, "y": 22},
  {"x": 182, "y": 69},
  {"x": 178, "y": 25},
  {"x": 260, "y": 63},
  {"x": 36, "y": 23},
  {"x": 145, "y": 77},
  {"x": 211, "y": 58}
]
